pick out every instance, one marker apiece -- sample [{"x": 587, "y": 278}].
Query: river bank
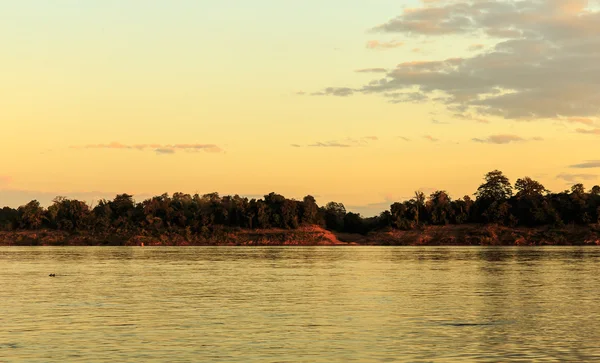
[{"x": 450, "y": 235}]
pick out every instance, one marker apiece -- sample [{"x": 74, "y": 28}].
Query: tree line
[{"x": 527, "y": 203}]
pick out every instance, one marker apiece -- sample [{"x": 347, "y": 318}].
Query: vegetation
[{"x": 210, "y": 215}]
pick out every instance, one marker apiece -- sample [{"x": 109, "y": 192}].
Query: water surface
[{"x": 299, "y": 304}]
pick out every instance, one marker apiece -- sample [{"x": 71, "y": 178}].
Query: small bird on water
[{"x": 52, "y": 275}]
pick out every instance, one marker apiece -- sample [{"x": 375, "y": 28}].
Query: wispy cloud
[
  {"x": 431, "y": 138},
  {"x": 589, "y": 131},
  {"x": 475, "y": 47},
  {"x": 573, "y": 178},
  {"x": 471, "y": 118},
  {"x": 581, "y": 120},
  {"x": 403, "y": 138},
  {"x": 371, "y": 70},
  {"x": 402, "y": 97},
  {"x": 587, "y": 165},
  {"x": 329, "y": 144},
  {"x": 376, "y": 44},
  {"x": 158, "y": 148},
  {"x": 505, "y": 139},
  {"x": 344, "y": 143},
  {"x": 335, "y": 91},
  {"x": 164, "y": 151}
]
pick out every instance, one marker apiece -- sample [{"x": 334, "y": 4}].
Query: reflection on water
[{"x": 288, "y": 304}]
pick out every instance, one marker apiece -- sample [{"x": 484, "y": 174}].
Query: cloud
[
  {"x": 376, "y": 44},
  {"x": 542, "y": 62},
  {"x": 589, "y": 131},
  {"x": 335, "y": 91},
  {"x": 158, "y": 148},
  {"x": 438, "y": 122},
  {"x": 581, "y": 120},
  {"x": 345, "y": 143},
  {"x": 210, "y": 148},
  {"x": 401, "y": 97},
  {"x": 471, "y": 118},
  {"x": 500, "y": 139},
  {"x": 475, "y": 47},
  {"x": 573, "y": 178},
  {"x": 329, "y": 144},
  {"x": 431, "y": 138},
  {"x": 587, "y": 165},
  {"x": 403, "y": 138},
  {"x": 164, "y": 151},
  {"x": 371, "y": 70}
]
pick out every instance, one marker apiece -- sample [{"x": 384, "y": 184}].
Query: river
[{"x": 299, "y": 304}]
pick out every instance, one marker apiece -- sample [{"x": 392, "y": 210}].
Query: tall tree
[
  {"x": 495, "y": 188},
  {"x": 527, "y": 187},
  {"x": 419, "y": 204},
  {"x": 31, "y": 215}
]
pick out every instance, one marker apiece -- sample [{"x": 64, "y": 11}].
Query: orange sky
[{"x": 356, "y": 101}]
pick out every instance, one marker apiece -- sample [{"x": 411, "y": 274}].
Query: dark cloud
[
  {"x": 587, "y": 165},
  {"x": 545, "y": 63},
  {"x": 574, "y": 178},
  {"x": 158, "y": 148}
]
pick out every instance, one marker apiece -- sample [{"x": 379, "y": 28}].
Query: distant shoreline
[{"x": 449, "y": 235}]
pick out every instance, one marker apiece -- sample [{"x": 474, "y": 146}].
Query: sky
[{"x": 357, "y": 101}]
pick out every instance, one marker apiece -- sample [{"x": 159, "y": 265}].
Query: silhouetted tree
[
  {"x": 210, "y": 214},
  {"x": 334, "y": 216},
  {"x": 31, "y": 215},
  {"x": 439, "y": 208},
  {"x": 492, "y": 197}
]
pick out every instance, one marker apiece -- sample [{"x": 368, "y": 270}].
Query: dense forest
[{"x": 528, "y": 203}]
